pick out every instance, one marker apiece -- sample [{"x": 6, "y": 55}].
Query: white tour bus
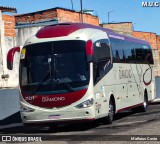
[{"x": 71, "y": 72}]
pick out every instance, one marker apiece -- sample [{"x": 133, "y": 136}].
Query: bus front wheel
[{"x": 111, "y": 112}]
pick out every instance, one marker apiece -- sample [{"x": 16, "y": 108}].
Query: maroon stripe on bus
[
  {"x": 54, "y": 100},
  {"x": 127, "y": 108}
]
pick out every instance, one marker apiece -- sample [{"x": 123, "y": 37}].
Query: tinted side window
[
  {"x": 130, "y": 52},
  {"x": 122, "y": 51},
  {"x": 102, "y": 59},
  {"x": 140, "y": 55},
  {"x": 143, "y": 54},
  {"x": 149, "y": 57},
  {"x": 101, "y": 50}
]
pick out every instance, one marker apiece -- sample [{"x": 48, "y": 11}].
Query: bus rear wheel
[{"x": 144, "y": 107}]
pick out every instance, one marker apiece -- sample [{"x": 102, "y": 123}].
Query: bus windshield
[{"x": 54, "y": 67}]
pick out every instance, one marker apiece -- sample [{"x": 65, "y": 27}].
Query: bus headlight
[
  {"x": 25, "y": 109},
  {"x": 86, "y": 103}
]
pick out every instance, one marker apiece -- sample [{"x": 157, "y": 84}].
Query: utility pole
[
  {"x": 72, "y": 4},
  {"x": 81, "y": 11},
  {"x": 109, "y": 15}
]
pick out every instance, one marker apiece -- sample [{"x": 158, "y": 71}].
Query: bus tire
[
  {"x": 144, "y": 107},
  {"x": 111, "y": 112}
]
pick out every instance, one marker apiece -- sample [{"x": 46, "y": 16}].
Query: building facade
[
  {"x": 28, "y": 24},
  {"x": 7, "y": 41}
]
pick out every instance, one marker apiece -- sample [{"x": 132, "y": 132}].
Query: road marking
[{"x": 133, "y": 122}]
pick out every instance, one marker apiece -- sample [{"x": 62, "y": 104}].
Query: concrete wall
[
  {"x": 9, "y": 98},
  {"x": 25, "y": 32},
  {"x": 7, "y": 41}
]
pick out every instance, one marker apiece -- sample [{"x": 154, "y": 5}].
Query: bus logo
[
  {"x": 47, "y": 99},
  {"x": 125, "y": 74}
]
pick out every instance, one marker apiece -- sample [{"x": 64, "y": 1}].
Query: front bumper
[{"x": 58, "y": 116}]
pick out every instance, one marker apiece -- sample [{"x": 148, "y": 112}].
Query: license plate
[{"x": 54, "y": 116}]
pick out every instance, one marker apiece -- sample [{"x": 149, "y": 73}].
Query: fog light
[{"x": 87, "y": 113}]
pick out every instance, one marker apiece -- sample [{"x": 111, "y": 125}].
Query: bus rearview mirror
[
  {"x": 89, "y": 51},
  {"x": 10, "y": 57}
]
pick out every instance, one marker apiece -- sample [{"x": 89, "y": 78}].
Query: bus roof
[{"x": 64, "y": 29}]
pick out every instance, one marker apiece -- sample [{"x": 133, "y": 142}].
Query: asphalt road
[{"x": 125, "y": 127}]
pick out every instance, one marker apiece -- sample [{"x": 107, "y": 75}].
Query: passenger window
[
  {"x": 101, "y": 50},
  {"x": 102, "y": 59},
  {"x": 144, "y": 56},
  {"x": 130, "y": 52},
  {"x": 130, "y": 55},
  {"x": 118, "y": 51},
  {"x": 140, "y": 55},
  {"x": 149, "y": 57}
]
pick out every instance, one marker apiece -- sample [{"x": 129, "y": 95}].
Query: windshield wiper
[
  {"x": 41, "y": 82},
  {"x": 45, "y": 78},
  {"x": 65, "y": 83}
]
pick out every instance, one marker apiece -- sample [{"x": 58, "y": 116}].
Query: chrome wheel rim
[{"x": 111, "y": 111}]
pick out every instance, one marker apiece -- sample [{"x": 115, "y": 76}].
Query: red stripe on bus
[
  {"x": 54, "y": 100},
  {"x": 57, "y": 30},
  {"x": 63, "y": 29},
  {"x": 130, "y": 107}
]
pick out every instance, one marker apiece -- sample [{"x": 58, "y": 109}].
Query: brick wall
[
  {"x": 9, "y": 25},
  {"x": 62, "y": 15},
  {"x": 126, "y": 29},
  {"x": 121, "y": 28},
  {"x": 158, "y": 50},
  {"x": 69, "y": 16},
  {"x": 158, "y": 42},
  {"x": 148, "y": 36},
  {"x": 36, "y": 17}
]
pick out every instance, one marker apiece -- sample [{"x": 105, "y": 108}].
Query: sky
[{"x": 145, "y": 19}]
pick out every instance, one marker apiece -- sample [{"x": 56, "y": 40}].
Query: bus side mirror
[
  {"x": 10, "y": 57},
  {"x": 89, "y": 51}
]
